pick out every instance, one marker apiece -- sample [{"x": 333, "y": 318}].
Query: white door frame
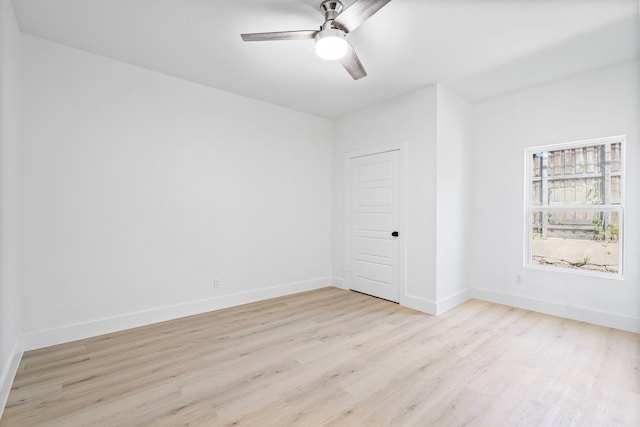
[{"x": 402, "y": 228}]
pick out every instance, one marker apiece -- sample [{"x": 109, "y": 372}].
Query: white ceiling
[{"x": 481, "y": 48}]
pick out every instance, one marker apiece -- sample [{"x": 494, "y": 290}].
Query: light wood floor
[{"x": 337, "y": 358}]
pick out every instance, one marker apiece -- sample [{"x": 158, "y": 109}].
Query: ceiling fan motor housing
[{"x": 331, "y": 42}]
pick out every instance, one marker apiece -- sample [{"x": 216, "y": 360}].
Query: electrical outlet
[
  {"x": 216, "y": 284},
  {"x": 518, "y": 279}
]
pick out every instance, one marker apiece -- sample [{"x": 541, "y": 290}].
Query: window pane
[
  {"x": 587, "y": 240},
  {"x": 574, "y": 205},
  {"x": 588, "y": 175}
]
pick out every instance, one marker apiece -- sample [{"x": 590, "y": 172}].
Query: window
[{"x": 574, "y": 208}]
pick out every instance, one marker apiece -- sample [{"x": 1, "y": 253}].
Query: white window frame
[{"x": 530, "y": 208}]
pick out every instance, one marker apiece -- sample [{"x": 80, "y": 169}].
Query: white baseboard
[
  {"x": 47, "y": 337},
  {"x": 8, "y": 374},
  {"x": 419, "y": 303},
  {"x": 452, "y": 301},
  {"x": 582, "y": 314},
  {"x": 337, "y": 282},
  {"x": 435, "y": 307}
]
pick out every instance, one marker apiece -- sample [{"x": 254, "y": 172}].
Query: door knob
[{"x": 395, "y": 234}]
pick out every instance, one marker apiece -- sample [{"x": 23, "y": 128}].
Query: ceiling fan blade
[
  {"x": 359, "y": 11},
  {"x": 352, "y": 64},
  {"x": 280, "y": 35}
]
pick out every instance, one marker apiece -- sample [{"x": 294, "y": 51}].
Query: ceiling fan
[{"x": 331, "y": 39}]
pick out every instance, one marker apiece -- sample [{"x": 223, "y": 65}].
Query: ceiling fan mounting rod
[{"x": 331, "y": 9}]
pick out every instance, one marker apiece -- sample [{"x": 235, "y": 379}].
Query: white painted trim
[
  {"x": 577, "y": 144},
  {"x": 402, "y": 247},
  {"x": 420, "y": 304},
  {"x": 452, "y": 301},
  {"x": 582, "y": 314},
  {"x": 47, "y": 337},
  {"x": 346, "y": 225},
  {"x": 376, "y": 150},
  {"x": 338, "y": 282},
  {"x": 8, "y": 374}
]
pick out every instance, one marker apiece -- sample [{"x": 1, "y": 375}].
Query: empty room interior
[{"x": 319, "y": 213}]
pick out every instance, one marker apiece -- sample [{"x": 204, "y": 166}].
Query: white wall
[
  {"x": 9, "y": 198},
  {"x": 597, "y": 104},
  {"x": 453, "y": 200},
  {"x": 410, "y": 119},
  {"x": 435, "y": 124},
  {"x": 140, "y": 189}
]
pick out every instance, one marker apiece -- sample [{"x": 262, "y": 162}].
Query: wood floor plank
[{"x": 337, "y": 358}]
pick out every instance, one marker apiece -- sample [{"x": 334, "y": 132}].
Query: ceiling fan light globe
[{"x": 331, "y": 44}]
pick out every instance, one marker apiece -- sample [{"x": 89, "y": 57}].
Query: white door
[{"x": 374, "y": 189}]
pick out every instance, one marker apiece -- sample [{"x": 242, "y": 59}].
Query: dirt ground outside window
[{"x": 592, "y": 255}]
